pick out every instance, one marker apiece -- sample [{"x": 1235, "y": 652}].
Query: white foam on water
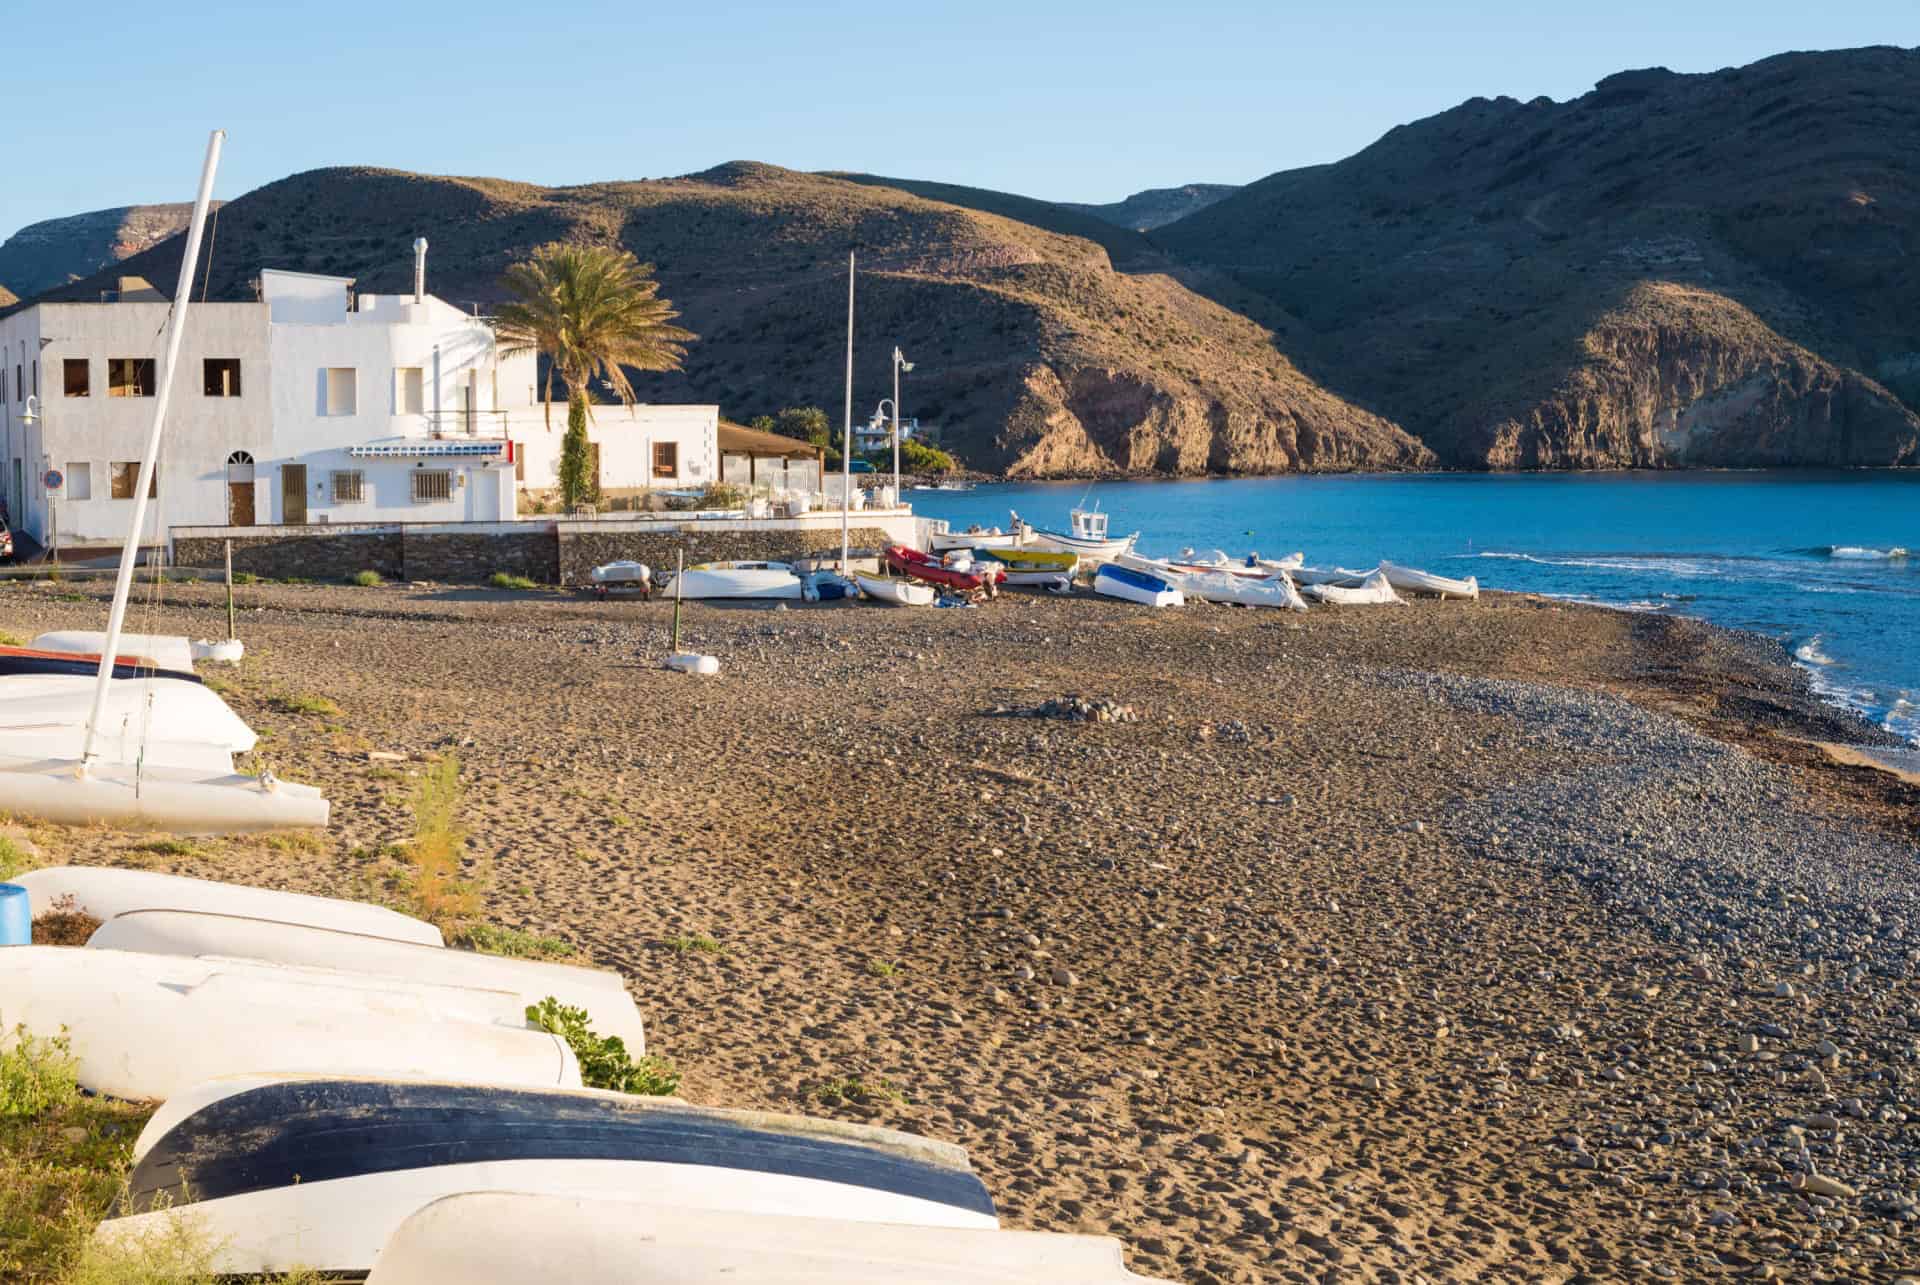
[
  {"x": 1809, "y": 652},
  {"x": 1861, "y": 553}
]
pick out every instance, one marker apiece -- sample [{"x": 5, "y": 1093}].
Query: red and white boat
[{"x": 962, "y": 575}]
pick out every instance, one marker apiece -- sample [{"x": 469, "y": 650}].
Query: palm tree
[{"x": 595, "y": 312}]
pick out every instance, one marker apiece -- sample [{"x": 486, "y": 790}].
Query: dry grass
[{"x": 432, "y": 880}]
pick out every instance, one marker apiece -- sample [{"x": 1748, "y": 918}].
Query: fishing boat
[
  {"x": 509, "y": 1238},
  {"x": 108, "y": 892},
  {"x": 1372, "y": 591},
  {"x": 149, "y": 751},
  {"x": 1137, "y": 586},
  {"x": 149, "y": 1026},
  {"x": 765, "y": 582},
  {"x": 1086, "y": 536},
  {"x": 1408, "y": 580},
  {"x": 321, "y": 1172},
  {"x": 197, "y": 934},
  {"x": 943, "y": 540},
  {"x": 1031, "y": 566},
  {"x": 961, "y": 574},
  {"x": 896, "y": 593}
]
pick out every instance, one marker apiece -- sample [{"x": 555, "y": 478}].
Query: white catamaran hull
[
  {"x": 156, "y": 797},
  {"x": 603, "y": 995},
  {"x": 106, "y": 892},
  {"x": 150, "y": 1026},
  {"x": 510, "y": 1237}
]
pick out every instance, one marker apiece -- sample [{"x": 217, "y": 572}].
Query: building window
[
  {"x": 222, "y": 377},
  {"x": 126, "y": 477},
  {"x": 129, "y": 376},
  {"x": 519, "y": 461},
  {"x": 75, "y": 372},
  {"x": 349, "y": 486},
  {"x": 80, "y": 480},
  {"x": 342, "y": 391},
  {"x": 666, "y": 459},
  {"x": 431, "y": 484},
  {"x": 409, "y": 390}
]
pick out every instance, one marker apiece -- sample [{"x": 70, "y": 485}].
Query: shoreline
[{"x": 1426, "y": 940}]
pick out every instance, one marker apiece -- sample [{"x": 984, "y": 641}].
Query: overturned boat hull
[{"x": 106, "y": 892}]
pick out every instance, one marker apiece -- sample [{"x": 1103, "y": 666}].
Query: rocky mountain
[
  {"x": 8, "y": 298},
  {"x": 1033, "y": 353},
  {"x": 1157, "y": 206},
  {"x": 56, "y": 251},
  {"x": 1717, "y": 269}
]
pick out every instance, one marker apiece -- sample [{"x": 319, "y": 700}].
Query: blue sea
[{"x": 1818, "y": 560}]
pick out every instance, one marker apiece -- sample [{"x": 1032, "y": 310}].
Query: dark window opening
[
  {"x": 222, "y": 377},
  {"x": 130, "y": 377},
  {"x": 75, "y": 372}
]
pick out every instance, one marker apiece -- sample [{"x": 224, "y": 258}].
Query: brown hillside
[
  {"x": 53, "y": 252},
  {"x": 1032, "y": 353},
  {"x": 8, "y": 297},
  {"x": 1713, "y": 269}
]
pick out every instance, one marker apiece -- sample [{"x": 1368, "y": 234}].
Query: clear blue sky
[{"x": 108, "y": 103}]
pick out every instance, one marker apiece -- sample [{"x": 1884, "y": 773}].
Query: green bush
[
  {"x": 245, "y": 577},
  {"x": 514, "y": 943},
  {"x": 14, "y": 859},
  {"x": 918, "y": 457},
  {"x": 507, "y": 580},
  {"x": 604, "y": 1061},
  {"x": 36, "y": 1075},
  {"x": 367, "y": 579}
]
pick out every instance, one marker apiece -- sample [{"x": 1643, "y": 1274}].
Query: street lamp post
[{"x": 900, "y": 363}]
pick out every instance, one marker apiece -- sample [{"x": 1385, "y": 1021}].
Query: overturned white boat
[
  {"x": 1132, "y": 585},
  {"x": 741, "y": 582},
  {"x": 150, "y": 1026},
  {"x": 321, "y": 1172},
  {"x": 896, "y": 591},
  {"x": 1261, "y": 589},
  {"x": 943, "y": 539},
  {"x": 510, "y": 1237},
  {"x": 623, "y": 572},
  {"x": 197, "y": 934},
  {"x": 107, "y": 892},
  {"x": 1408, "y": 580},
  {"x": 1372, "y": 591}
]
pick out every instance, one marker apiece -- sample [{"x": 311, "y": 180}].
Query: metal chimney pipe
[{"x": 420, "y": 270}]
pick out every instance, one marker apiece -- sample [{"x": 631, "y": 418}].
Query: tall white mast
[
  {"x": 176, "y": 331},
  {"x": 846, "y": 444}
]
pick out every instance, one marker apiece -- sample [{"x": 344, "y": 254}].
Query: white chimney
[{"x": 420, "y": 270}]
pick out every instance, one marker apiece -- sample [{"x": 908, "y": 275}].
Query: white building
[{"x": 314, "y": 405}]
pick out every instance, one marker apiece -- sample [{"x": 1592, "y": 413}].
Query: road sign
[{"x": 54, "y": 479}]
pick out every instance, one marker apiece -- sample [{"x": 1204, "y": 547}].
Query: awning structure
[
  {"x": 439, "y": 449},
  {"x": 738, "y": 439}
]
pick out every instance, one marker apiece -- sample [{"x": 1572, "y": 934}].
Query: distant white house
[{"x": 315, "y": 404}]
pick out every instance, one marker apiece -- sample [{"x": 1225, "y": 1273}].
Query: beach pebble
[{"x": 1059, "y": 976}]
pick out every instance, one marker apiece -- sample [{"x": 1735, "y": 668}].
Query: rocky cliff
[
  {"x": 56, "y": 251},
  {"x": 1157, "y": 206},
  {"x": 1670, "y": 270}
]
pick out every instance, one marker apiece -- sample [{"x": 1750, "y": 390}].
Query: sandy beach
[{"x": 1499, "y": 941}]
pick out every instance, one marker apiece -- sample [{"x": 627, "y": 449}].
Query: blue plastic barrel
[{"x": 16, "y": 916}]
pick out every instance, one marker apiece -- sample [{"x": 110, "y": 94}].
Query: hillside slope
[
  {"x": 56, "y": 251},
  {"x": 1157, "y": 206},
  {"x": 1714, "y": 269},
  {"x": 1032, "y": 353}
]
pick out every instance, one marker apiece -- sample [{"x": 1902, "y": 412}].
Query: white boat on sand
[
  {"x": 762, "y": 582},
  {"x": 194, "y": 934},
  {"x": 1408, "y": 580},
  {"x": 106, "y": 892},
  {"x": 320, "y": 1172},
  {"x": 508, "y": 1238},
  {"x": 1262, "y": 590},
  {"x": 1372, "y": 591},
  {"x": 1086, "y": 536},
  {"x": 896, "y": 591},
  {"x": 943, "y": 539},
  {"x": 1132, "y": 585},
  {"x": 151, "y": 1026}
]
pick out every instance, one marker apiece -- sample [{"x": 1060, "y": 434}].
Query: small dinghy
[
  {"x": 1408, "y": 580},
  {"x": 106, "y": 893},
  {"x": 763, "y": 582},
  {"x": 1372, "y": 591},
  {"x": 197, "y": 934},
  {"x": 896, "y": 593},
  {"x": 741, "y": 565},
  {"x": 827, "y": 586},
  {"x": 1274, "y": 590},
  {"x": 976, "y": 536},
  {"x": 150, "y": 1026},
  {"x": 1086, "y": 536},
  {"x": 79, "y": 664},
  {"x": 1137, "y": 586},
  {"x": 622, "y": 575},
  {"x": 163, "y": 651},
  {"x": 1031, "y": 566},
  {"x": 961, "y": 574},
  {"x": 510, "y": 1238},
  {"x": 320, "y": 1173},
  {"x": 1342, "y": 576}
]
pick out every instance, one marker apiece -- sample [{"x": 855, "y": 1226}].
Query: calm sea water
[{"x": 1818, "y": 560}]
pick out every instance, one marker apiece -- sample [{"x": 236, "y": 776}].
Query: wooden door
[
  {"x": 293, "y": 494},
  {"x": 240, "y": 503}
]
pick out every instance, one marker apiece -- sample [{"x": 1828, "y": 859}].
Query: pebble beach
[{"x": 1513, "y": 940}]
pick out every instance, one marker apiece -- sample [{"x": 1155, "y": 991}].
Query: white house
[{"x": 315, "y": 404}]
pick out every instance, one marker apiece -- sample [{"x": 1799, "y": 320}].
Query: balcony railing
[{"x": 465, "y": 423}]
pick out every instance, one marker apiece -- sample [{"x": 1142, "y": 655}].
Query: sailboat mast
[
  {"x": 176, "y": 331},
  {"x": 846, "y": 443}
]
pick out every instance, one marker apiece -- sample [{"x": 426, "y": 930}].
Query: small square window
[
  {"x": 130, "y": 376},
  {"x": 80, "y": 480},
  {"x": 343, "y": 397},
  {"x": 75, "y": 374},
  {"x": 349, "y": 486},
  {"x": 126, "y": 477},
  {"x": 410, "y": 390},
  {"x": 666, "y": 459},
  {"x": 222, "y": 377},
  {"x": 431, "y": 484}
]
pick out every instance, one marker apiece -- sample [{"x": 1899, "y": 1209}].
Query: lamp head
[{"x": 32, "y": 412}]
